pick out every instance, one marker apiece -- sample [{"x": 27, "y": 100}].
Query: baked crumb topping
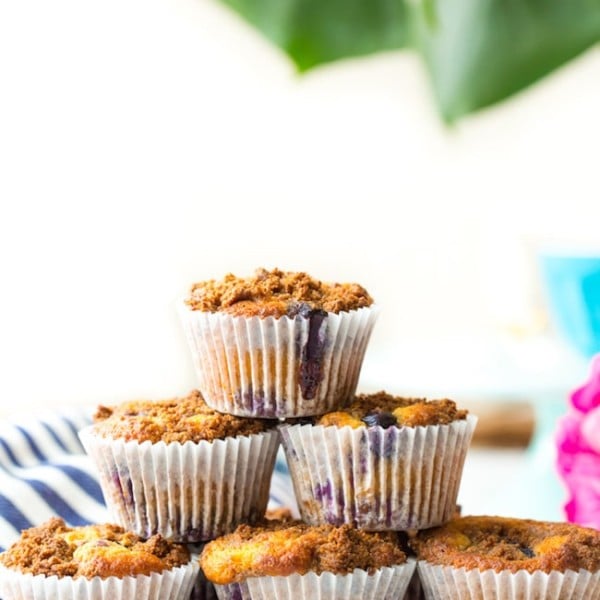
[
  {"x": 385, "y": 410},
  {"x": 275, "y": 293},
  {"x": 502, "y": 543},
  {"x": 174, "y": 420},
  {"x": 94, "y": 550},
  {"x": 282, "y": 548}
]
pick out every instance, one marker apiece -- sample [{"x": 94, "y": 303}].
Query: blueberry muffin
[
  {"x": 57, "y": 561},
  {"x": 277, "y": 344},
  {"x": 488, "y": 557},
  {"x": 291, "y": 559},
  {"x": 179, "y": 468},
  {"x": 383, "y": 463}
]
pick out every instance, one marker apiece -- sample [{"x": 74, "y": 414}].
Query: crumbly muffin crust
[
  {"x": 385, "y": 410},
  {"x": 275, "y": 293},
  {"x": 282, "y": 548},
  {"x": 174, "y": 420},
  {"x": 94, "y": 550},
  {"x": 501, "y": 543}
]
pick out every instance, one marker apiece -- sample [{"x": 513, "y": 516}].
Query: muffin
[
  {"x": 57, "y": 562},
  {"x": 476, "y": 558},
  {"x": 179, "y": 468},
  {"x": 204, "y": 589},
  {"x": 290, "y": 560},
  {"x": 278, "y": 344},
  {"x": 383, "y": 463}
]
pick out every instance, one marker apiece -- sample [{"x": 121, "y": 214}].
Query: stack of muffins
[{"x": 376, "y": 477}]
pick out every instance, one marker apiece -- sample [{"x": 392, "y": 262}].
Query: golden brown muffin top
[
  {"x": 385, "y": 410},
  {"x": 275, "y": 294},
  {"x": 501, "y": 543},
  {"x": 283, "y": 548},
  {"x": 175, "y": 420},
  {"x": 94, "y": 550}
]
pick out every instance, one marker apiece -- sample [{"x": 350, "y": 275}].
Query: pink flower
[{"x": 578, "y": 443}]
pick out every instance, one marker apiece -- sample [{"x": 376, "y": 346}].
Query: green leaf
[
  {"x": 479, "y": 52},
  {"x": 313, "y": 32}
]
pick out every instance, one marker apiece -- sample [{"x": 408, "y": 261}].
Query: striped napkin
[{"x": 44, "y": 472}]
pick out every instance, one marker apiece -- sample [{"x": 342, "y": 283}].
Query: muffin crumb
[
  {"x": 53, "y": 548},
  {"x": 174, "y": 420},
  {"x": 502, "y": 543},
  {"x": 275, "y": 293},
  {"x": 385, "y": 410},
  {"x": 282, "y": 548}
]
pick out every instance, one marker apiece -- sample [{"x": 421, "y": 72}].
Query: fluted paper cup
[
  {"x": 172, "y": 584},
  {"x": 377, "y": 479},
  {"x": 462, "y": 584},
  {"x": 187, "y": 492},
  {"x": 277, "y": 368},
  {"x": 387, "y": 582}
]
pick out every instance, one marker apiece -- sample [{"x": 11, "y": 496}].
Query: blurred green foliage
[{"x": 477, "y": 52}]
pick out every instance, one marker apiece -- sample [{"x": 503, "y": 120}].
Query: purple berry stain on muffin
[
  {"x": 252, "y": 400},
  {"x": 194, "y": 534},
  {"x": 380, "y": 418},
  {"x": 380, "y": 442},
  {"x": 235, "y": 592},
  {"x": 311, "y": 363},
  {"x": 126, "y": 495},
  {"x": 389, "y": 442},
  {"x": 324, "y": 492},
  {"x": 325, "y": 495},
  {"x": 528, "y": 552}
]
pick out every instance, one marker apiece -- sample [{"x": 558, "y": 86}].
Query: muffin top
[
  {"x": 501, "y": 543},
  {"x": 275, "y": 294},
  {"x": 175, "y": 420},
  {"x": 283, "y": 548},
  {"x": 385, "y": 410},
  {"x": 91, "y": 551}
]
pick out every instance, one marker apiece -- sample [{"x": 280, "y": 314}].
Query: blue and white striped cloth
[{"x": 44, "y": 472}]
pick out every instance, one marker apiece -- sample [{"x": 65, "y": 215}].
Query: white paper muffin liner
[
  {"x": 398, "y": 478},
  {"x": 187, "y": 492},
  {"x": 173, "y": 584},
  {"x": 285, "y": 367},
  {"x": 460, "y": 584},
  {"x": 387, "y": 583}
]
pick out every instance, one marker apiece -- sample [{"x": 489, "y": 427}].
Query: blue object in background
[{"x": 572, "y": 283}]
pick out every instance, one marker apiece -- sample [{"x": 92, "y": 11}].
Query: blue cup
[{"x": 572, "y": 285}]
